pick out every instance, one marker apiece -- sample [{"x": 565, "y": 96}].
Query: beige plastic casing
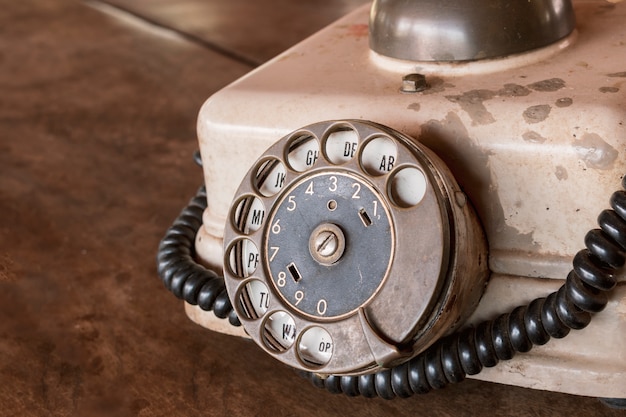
[{"x": 536, "y": 141}]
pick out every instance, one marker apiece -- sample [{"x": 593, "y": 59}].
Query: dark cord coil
[
  {"x": 449, "y": 360},
  {"x": 586, "y": 291},
  {"x": 182, "y": 275}
]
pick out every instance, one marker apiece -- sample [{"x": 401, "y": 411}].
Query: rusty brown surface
[{"x": 97, "y": 116}]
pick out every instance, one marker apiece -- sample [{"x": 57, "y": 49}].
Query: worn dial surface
[{"x": 339, "y": 251}]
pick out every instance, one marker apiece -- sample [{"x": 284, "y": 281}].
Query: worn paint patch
[
  {"x": 608, "y": 89},
  {"x": 472, "y": 103},
  {"x": 533, "y": 137},
  {"x": 414, "y": 106},
  {"x": 450, "y": 140},
  {"x": 536, "y": 114},
  {"x": 561, "y": 173},
  {"x": 513, "y": 90},
  {"x": 595, "y": 152},
  {"x": 564, "y": 102},
  {"x": 553, "y": 84},
  {"x": 437, "y": 85},
  {"x": 617, "y": 75}
]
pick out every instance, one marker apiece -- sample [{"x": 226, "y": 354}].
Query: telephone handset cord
[
  {"x": 449, "y": 360},
  {"x": 179, "y": 271}
]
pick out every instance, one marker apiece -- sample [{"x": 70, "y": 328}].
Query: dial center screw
[{"x": 327, "y": 243}]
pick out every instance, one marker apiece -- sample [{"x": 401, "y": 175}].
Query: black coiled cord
[
  {"x": 182, "y": 275},
  {"x": 451, "y": 359}
]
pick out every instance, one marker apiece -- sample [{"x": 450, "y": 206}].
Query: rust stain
[
  {"x": 617, "y": 75},
  {"x": 358, "y": 30},
  {"x": 608, "y": 89}
]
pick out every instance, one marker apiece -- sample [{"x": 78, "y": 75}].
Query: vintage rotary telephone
[{"x": 359, "y": 254}]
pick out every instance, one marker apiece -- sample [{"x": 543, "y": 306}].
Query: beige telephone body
[{"x": 365, "y": 201}]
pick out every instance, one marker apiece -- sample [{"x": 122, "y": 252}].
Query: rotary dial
[{"x": 341, "y": 249}]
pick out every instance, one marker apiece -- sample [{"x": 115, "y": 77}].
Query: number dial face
[
  {"x": 327, "y": 283},
  {"x": 338, "y": 249},
  {"x": 318, "y": 216}
]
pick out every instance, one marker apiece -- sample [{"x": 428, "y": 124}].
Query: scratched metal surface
[{"x": 97, "y": 116}]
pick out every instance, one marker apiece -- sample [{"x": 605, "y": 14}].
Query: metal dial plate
[
  {"x": 329, "y": 244},
  {"x": 340, "y": 249}
]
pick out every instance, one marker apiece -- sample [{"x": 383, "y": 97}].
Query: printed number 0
[{"x": 321, "y": 307}]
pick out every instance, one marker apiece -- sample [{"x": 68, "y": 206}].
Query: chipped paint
[
  {"x": 472, "y": 103},
  {"x": 564, "y": 102},
  {"x": 553, "y": 84},
  {"x": 513, "y": 90},
  {"x": 451, "y": 141},
  {"x": 533, "y": 137},
  {"x": 437, "y": 85},
  {"x": 414, "y": 106},
  {"x": 561, "y": 173},
  {"x": 595, "y": 152},
  {"x": 536, "y": 114}
]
